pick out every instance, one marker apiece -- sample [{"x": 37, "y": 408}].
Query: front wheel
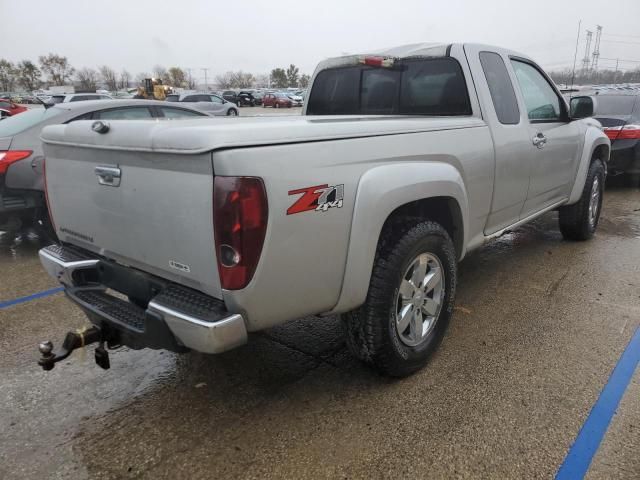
[
  {"x": 409, "y": 302},
  {"x": 580, "y": 220},
  {"x": 232, "y": 112}
]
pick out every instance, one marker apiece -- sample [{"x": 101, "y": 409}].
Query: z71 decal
[{"x": 319, "y": 198}]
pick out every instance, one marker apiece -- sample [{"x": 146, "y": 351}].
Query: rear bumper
[{"x": 167, "y": 315}]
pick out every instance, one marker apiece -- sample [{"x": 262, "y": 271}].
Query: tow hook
[{"x": 73, "y": 341}]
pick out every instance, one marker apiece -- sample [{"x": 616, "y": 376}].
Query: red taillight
[
  {"x": 12, "y": 156},
  {"x": 240, "y": 223},
  {"x": 624, "y": 132}
]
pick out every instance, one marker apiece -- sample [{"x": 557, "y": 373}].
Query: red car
[
  {"x": 9, "y": 109},
  {"x": 276, "y": 100}
]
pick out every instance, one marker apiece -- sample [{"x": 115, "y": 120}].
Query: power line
[
  {"x": 620, "y": 35},
  {"x": 621, "y": 41}
]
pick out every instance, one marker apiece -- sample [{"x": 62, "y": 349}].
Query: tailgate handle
[{"x": 108, "y": 175}]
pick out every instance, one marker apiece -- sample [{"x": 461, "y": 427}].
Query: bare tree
[
  {"x": 160, "y": 73},
  {"x": 57, "y": 67},
  {"x": 88, "y": 79},
  {"x": 125, "y": 77},
  {"x": 261, "y": 80},
  {"x": 191, "y": 82},
  {"x": 8, "y": 75},
  {"x": 140, "y": 78},
  {"x": 110, "y": 77},
  {"x": 176, "y": 77},
  {"x": 225, "y": 80},
  {"x": 28, "y": 75}
]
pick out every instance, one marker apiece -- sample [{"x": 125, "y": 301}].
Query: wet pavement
[{"x": 539, "y": 325}]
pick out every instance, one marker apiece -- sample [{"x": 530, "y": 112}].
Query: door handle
[
  {"x": 108, "y": 175},
  {"x": 539, "y": 140}
]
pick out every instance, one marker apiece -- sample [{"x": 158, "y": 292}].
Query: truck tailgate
[{"x": 156, "y": 216}]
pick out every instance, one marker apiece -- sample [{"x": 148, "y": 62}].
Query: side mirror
[{"x": 581, "y": 107}]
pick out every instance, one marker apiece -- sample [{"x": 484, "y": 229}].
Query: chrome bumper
[{"x": 197, "y": 321}]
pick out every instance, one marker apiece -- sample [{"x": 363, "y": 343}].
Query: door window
[
  {"x": 541, "y": 100},
  {"x": 502, "y": 94},
  {"x": 215, "y": 99}
]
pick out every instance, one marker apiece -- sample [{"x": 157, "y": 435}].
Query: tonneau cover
[{"x": 202, "y": 135}]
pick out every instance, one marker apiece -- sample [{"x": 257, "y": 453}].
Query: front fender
[
  {"x": 594, "y": 138},
  {"x": 381, "y": 191}
]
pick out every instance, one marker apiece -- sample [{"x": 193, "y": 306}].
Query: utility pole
[
  {"x": 585, "y": 60},
  {"x": 190, "y": 77},
  {"x": 596, "y": 49},
  {"x": 615, "y": 74},
  {"x": 575, "y": 55},
  {"x": 205, "y": 70}
]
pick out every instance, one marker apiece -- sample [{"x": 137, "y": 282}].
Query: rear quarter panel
[{"x": 305, "y": 255}]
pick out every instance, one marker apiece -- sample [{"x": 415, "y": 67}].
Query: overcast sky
[{"x": 257, "y": 36}]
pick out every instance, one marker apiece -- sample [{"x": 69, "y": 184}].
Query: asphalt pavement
[{"x": 539, "y": 326}]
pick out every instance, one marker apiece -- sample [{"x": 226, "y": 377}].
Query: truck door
[
  {"x": 554, "y": 142},
  {"x": 494, "y": 85}
]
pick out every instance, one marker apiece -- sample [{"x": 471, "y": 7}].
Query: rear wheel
[
  {"x": 410, "y": 300},
  {"x": 277, "y": 105},
  {"x": 580, "y": 220}
]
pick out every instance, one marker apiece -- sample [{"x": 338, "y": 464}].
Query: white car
[
  {"x": 296, "y": 99},
  {"x": 78, "y": 97}
]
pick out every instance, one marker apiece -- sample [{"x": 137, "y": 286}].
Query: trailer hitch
[{"x": 73, "y": 341}]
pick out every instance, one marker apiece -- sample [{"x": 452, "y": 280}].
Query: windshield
[
  {"x": 432, "y": 86},
  {"x": 19, "y": 123}
]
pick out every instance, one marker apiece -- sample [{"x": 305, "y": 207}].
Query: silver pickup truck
[{"x": 186, "y": 236}]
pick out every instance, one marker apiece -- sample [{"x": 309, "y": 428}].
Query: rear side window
[
  {"x": 502, "y": 94},
  {"x": 134, "y": 113},
  {"x": 174, "y": 113},
  {"x": 410, "y": 87}
]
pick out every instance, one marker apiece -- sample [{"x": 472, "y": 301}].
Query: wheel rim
[
  {"x": 594, "y": 202},
  {"x": 419, "y": 300},
  {"x": 232, "y": 113}
]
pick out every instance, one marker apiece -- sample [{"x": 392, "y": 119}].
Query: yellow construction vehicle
[{"x": 153, "y": 89}]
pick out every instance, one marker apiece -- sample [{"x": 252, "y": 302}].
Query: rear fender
[
  {"x": 594, "y": 139},
  {"x": 380, "y": 192}
]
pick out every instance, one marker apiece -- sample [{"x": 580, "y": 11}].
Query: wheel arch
[
  {"x": 388, "y": 194},
  {"x": 596, "y": 145}
]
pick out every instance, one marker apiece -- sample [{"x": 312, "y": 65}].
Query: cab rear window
[{"x": 434, "y": 86}]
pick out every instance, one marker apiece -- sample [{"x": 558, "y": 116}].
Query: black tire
[
  {"x": 277, "y": 105},
  {"x": 371, "y": 333},
  {"x": 576, "y": 220},
  {"x": 232, "y": 112}
]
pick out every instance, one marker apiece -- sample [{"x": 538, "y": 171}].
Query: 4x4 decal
[{"x": 319, "y": 198}]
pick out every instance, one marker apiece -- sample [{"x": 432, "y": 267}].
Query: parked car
[
  {"x": 230, "y": 96},
  {"x": 212, "y": 104},
  {"x": 77, "y": 97},
  {"x": 405, "y": 161},
  {"x": 257, "y": 97},
  {"x": 246, "y": 99},
  {"x": 295, "y": 99},
  {"x": 276, "y": 100},
  {"x": 619, "y": 113},
  {"x": 8, "y": 108},
  {"x": 21, "y": 157}
]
